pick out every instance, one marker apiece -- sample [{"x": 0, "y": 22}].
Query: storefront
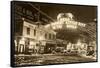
[
  {"x": 25, "y": 45},
  {"x": 50, "y": 46}
]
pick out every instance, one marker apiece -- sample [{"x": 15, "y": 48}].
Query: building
[
  {"x": 34, "y": 37},
  {"x": 30, "y": 35}
]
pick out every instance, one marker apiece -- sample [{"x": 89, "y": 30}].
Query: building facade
[
  {"x": 30, "y": 35},
  {"x": 34, "y": 38}
]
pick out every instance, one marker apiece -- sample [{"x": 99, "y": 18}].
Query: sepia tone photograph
[{"x": 52, "y": 33}]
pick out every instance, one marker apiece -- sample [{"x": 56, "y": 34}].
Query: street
[{"x": 48, "y": 59}]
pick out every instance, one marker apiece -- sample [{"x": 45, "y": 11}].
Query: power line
[{"x": 41, "y": 11}]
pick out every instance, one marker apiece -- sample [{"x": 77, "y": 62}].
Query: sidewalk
[
  {"x": 34, "y": 55},
  {"x": 90, "y": 57}
]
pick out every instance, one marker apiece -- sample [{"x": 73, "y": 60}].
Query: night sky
[{"x": 81, "y": 13}]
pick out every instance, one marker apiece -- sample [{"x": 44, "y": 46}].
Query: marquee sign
[{"x": 65, "y": 21}]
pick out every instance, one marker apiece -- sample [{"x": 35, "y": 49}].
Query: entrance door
[
  {"x": 49, "y": 48},
  {"x": 21, "y": 48}
]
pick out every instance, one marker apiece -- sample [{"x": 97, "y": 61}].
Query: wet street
[{"x": 48, "y": 59}]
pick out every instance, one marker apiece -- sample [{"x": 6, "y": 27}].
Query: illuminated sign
[{"x": 65, "y": 21}]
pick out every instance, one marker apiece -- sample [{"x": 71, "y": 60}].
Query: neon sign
[{"x": 67, "y": 21}]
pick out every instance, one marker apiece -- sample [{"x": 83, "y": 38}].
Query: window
[
  {"x": 28, "y": 31},
  {"x": 34, "y": 32},
  {"x": 53, "y": 36},
  {"x": 49, "y": 36},
  {"x": 45, "y": 36}
]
